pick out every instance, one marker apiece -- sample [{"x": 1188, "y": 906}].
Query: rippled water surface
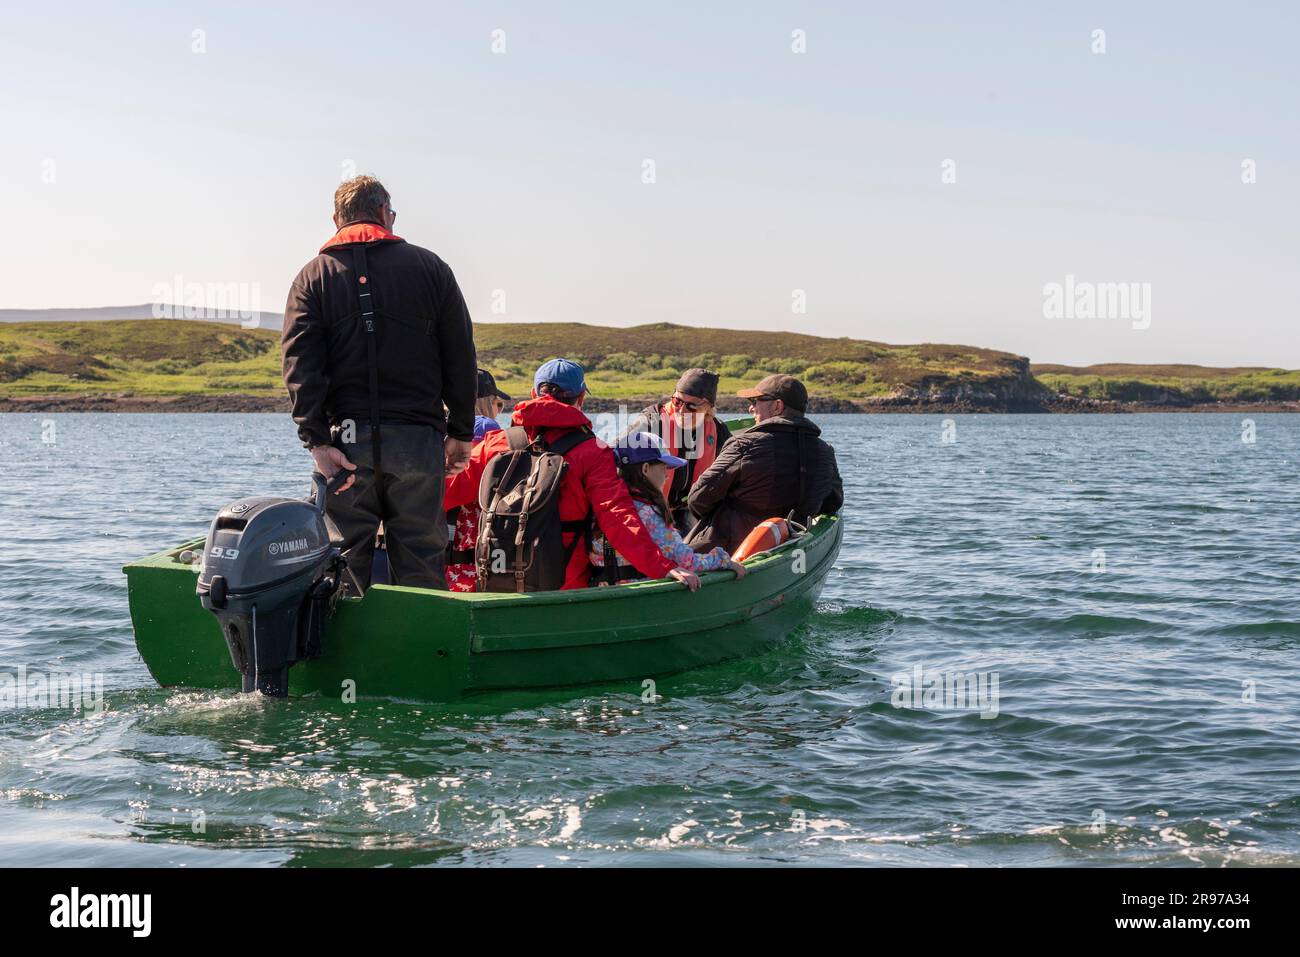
[{"x": 1132, "y": 582}]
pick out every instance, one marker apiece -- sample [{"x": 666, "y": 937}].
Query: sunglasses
[
  {"x": 689, "y": 406},
  {"x": 762, "y": 398}
]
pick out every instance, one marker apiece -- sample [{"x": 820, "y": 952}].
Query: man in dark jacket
[
  {"x": 688, "y": 424},
  {"x": 376, "y": 339},
  {"x": 778, "y": 465}
]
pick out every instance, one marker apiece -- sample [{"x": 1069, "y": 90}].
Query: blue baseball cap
[
  {"x": 564, "y": 374},
  {"x": 637, "y": 447}
]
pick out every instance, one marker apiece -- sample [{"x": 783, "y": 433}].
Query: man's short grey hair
[{"x": 361, "y": 197}]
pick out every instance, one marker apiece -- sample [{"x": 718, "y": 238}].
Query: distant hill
[
  {"x": 148, "y": 310},
  {"x": 171, "y": 357},
  {"x": 145, "y": 356},
  {"x": 1171, "y": 385},
  {"x": 116, "y": 363},
  {"x": 646, "y": 361}
]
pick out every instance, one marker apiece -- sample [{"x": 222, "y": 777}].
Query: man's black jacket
[
  {"x": 761, "y": 474},
  {"x": 425, "y": 341}
]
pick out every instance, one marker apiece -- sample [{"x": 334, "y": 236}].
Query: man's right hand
[
  {"x": 456, "y": 453},
  {"x": 329, "y": 461}
]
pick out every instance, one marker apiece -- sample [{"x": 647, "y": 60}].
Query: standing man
[
  {"x": 376, "y": 340},
  {"x": 777, "y": 466}
]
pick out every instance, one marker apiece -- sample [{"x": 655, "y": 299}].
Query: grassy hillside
[
  {"x": 149, "y": 356},
  {"x": 1172, "y": 384},
  {"x": 169, "y": 357},
  {"x": 647, "y": 360}
]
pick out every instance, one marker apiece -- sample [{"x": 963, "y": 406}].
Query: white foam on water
[
  {"x": 572, "y": 822},
  {"x": 679, "y": 831}
]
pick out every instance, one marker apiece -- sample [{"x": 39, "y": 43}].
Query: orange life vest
[{"x": 708, "y": 433}]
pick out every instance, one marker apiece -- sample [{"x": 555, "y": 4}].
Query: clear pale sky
[{"x": 775, "y": 171}]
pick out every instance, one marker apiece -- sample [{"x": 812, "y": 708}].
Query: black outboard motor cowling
[{"x": 270, "y": 574}]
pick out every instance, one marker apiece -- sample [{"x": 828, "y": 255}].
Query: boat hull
[{"x": 425, "y": 645}]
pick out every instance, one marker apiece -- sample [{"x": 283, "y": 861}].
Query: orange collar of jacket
[{"x": 361, "y": 233}]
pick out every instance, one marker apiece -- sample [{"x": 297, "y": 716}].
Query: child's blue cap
[{"x": 637, "y": 447}]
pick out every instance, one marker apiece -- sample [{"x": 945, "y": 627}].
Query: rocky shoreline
[{"x": 946, "y": 401}]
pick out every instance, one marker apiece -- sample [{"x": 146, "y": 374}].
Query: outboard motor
[{"x": 271, "y": 575}]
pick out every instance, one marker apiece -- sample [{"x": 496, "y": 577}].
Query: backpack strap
[
  {"x": 581, "y": 528},
  {"x": 372, "y": 360},
  {"x": 517, "y": 437},
  {"x": 582, "y": 532},
  {"x": 569, "y": 440},
  {"x": 611, "y": 563}
]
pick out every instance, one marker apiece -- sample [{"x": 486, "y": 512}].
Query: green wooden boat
[{"x": 426, "y": 645}]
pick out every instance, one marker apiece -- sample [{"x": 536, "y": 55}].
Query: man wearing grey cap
[
  {"x": 686, "y": 423},
  {"x": 778, "y": 466}
]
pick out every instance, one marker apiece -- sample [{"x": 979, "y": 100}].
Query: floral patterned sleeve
[{"x": 668, "y": 540}]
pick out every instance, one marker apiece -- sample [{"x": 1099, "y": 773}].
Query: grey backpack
[{"x": 520, "y": 546}]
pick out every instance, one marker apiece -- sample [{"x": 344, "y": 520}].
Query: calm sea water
[{"x": 1131, "y": 581}]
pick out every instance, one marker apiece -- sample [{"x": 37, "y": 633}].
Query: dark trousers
[{"x": 410, "y": 504}]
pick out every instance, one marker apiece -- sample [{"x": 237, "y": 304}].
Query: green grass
[
  {"x": 647, "y": 360},
  {"x": 1181, "y": 384},
  {"x": 161, "y": 357},
  {"x": 148, "y": 357},
  {"x": 171, "y": 357}
]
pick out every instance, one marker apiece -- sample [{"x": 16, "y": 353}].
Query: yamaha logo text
[{"x": 292, "y": 545}]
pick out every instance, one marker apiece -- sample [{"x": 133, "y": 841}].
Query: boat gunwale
[{"x": 822, "y": 525}]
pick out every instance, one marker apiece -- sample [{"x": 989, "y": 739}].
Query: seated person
[
  {"x": 488, "y": 405},
  {"x": 591, "y": 493},
  {"x": 778, "y": 466},
  {"x": 691, "y": 430},
  {"x": 462, "y": 522},
  {"x": 643, "y": 464}
]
